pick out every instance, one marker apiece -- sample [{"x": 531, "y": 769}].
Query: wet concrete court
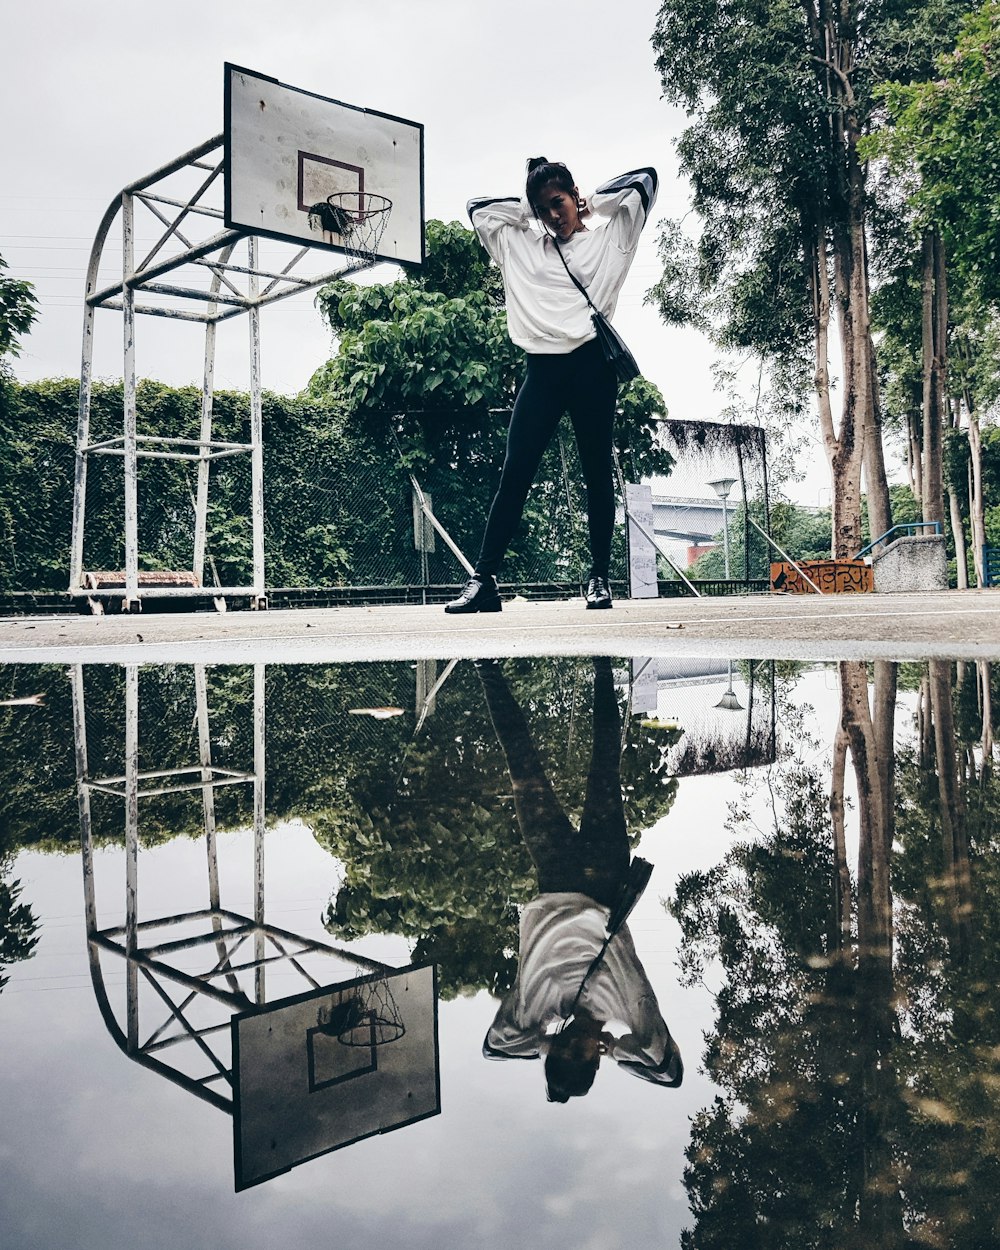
[
  {"x": 294, "y": 908},
  {"x": 956, "y": 624}
]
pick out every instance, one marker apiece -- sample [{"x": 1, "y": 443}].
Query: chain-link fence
[
  {"x": 710, "y": 514},
  {"x": 388, "y": 505},
  {"x": 348, "y": 515},
  {"x": 712, "y": 511}
]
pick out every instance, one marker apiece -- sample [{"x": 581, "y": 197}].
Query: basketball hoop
[
  {"x": 358, "y": 217},
  {"x": 370, "y": 1018}
]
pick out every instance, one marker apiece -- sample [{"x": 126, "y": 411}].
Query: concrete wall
[{"x": 912, "y": 563}]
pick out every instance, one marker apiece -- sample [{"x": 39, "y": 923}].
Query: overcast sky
[{"x": 95, "y": 96}]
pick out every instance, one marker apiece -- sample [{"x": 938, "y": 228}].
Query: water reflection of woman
[{"x": 581, "y": 876}]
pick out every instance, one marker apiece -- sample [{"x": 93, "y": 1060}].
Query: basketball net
[
  {"x": 371, "y": 1017},
  {"x": 357, "y": 217}
]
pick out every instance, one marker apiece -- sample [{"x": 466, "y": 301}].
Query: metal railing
[
  {"x": 991, "y": 565},
  {"x": 906, "y": 525}
]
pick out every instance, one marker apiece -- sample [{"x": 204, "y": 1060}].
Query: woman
[
  {"x": 581, "y": 991},
  {"x": 535, "y": 240}
]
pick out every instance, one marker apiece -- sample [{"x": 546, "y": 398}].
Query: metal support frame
[
  {"x": 154, "y": 960},
  {"x": 784, "y": 554},
  {"x": 233, "y": 289}
]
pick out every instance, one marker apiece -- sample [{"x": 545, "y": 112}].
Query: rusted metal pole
[
  {"x": 129, "y": 408},
  {"x": 132, "y": 851},
  {"x": 259, "y": 729},
  {"x": 256, "y": 434}
]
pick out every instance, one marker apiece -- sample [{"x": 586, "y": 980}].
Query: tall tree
[
  {"x": 948, "y": 126},
  {"x": 942, "y": 139},
  {"x": 781, "y": 93}
]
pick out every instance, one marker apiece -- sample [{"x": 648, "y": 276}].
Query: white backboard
[
  {"x": 287, "y": 150},
  {"x": 300, "y": 1091}
]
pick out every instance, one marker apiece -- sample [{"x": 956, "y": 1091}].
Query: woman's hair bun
[{"x": 535, "y": 161}]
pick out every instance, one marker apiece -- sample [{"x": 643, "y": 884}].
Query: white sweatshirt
[
  {"x": 546, "y": 314},
  {"x": 560, "y": 936}
]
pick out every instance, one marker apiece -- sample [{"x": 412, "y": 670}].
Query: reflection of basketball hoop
[
  {"x": 359, "y": 217},
  {"x": 370, "y": 1018}
]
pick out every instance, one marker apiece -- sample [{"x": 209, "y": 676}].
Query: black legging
[
  {"x": 593, "y": 859},
  {"x": 583, "y": 384}
]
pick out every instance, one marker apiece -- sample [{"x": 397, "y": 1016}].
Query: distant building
[{"x": 688, "y": 528}]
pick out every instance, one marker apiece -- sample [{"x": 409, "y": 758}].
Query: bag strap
[{"x": 575, "y": 280}]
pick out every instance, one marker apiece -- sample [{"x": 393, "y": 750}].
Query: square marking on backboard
[
  {"x": 322, "y": 176},
  {"x": 330, "y": 1063}
]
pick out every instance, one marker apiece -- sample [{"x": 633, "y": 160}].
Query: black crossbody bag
[{"x": 611, "y": 342}]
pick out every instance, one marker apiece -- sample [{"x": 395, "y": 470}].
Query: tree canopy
[
  {"x": 434, "y": 344},
  {"x": 18, "y": 311},
  {"x": 948, "y": 127}
]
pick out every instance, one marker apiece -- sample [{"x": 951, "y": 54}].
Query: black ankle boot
[
  {"x": 480, "y": 594},
  {"x": 598, "y": 594}
]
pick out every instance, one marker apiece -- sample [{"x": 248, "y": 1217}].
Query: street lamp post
[
  {"x": 722, "y": 487},
  {"x": 729, "y": 700}
]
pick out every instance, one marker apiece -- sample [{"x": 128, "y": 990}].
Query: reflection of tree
[
  {"x": 795, "y": 1150},
  {"x": 431, "y": 848},
  {"x": 948, "y": 961},
  {"x": 18, "y": 925},
  {"x": 773, "y": 1161},
  {"x": 428, "y": 841},
  {"x": 855, "y": 1041},
  {"x": 956, "y": 879}
]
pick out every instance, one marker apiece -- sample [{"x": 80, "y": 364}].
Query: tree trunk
[
  {"x": 925, "y": 727},
  {"x": 935, "y": 313},
  {"x": 843, "y": 904},
  {"x": 884, "y": 724},
  {"x": 820, "y": 287},
  {"x": 834, "y": 44},
  {"x": 871, "y": 755},
  {"x": 976, "y": 509},
  {"x": 958, "y": 533},
  {"x": 856, "y": 357},
  {"x": 986, "y": 711},
  {"x": 876, "y": 483},
  {"x": 914, "y": 457},
  {"x": 951, "y": 812},
  {"x": 880, "y": 1207}
]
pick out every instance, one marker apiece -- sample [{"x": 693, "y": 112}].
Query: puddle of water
[{"x": 211, "y": 875}]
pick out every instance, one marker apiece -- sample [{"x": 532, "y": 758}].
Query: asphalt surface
[{"x": 944, "y": 624}]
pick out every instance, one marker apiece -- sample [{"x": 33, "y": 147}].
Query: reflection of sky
[{"x": 98, "y": 1151}]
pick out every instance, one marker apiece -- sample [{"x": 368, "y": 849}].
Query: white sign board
[
  {"x": 641, "y": 551},
  {"x": 645, "y": 686}
]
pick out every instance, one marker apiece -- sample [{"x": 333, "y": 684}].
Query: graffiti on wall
[{"x": 833, "y": 577}]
